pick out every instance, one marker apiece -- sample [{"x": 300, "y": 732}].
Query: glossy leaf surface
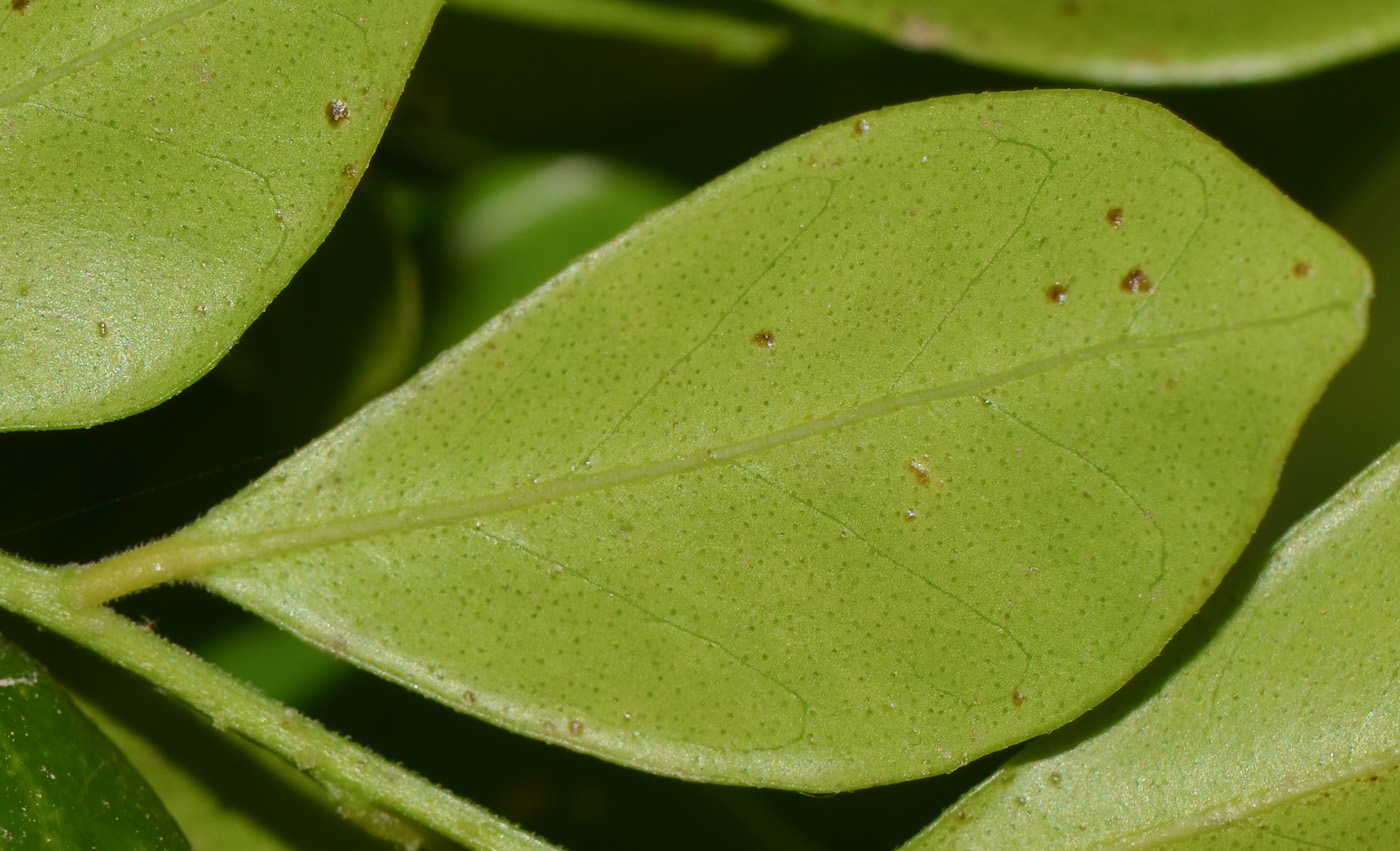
[
  {"x": 1151, "y": 42},
  {"x": 164, "y": 169},
  {"x": 908, "y": 440},
  {"x": 62, "y": 784},
  {"x": 1283, "y": 732}
]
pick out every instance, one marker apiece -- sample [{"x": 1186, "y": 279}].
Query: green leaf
[
  {"x": 908, "y": 440},
  {"x": 1282, "y": 732},
  {"x": 166, "y": 167},
  {"x": 522, "y": 220},
  {"x": 63, "y": 784},
  {"x": 1152, "y": 42},
  {"x": 724, "y": 37}
]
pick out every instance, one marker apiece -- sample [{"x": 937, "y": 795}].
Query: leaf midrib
[{"x": 178, "y": 557}]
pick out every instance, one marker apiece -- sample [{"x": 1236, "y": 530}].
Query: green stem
[{"x": 42, "y": 595}]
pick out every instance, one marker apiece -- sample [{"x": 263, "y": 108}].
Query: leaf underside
[
  {"x": 165, "y": 166},
  {"x": 906, "y": 441},
  {"x": 1282, "y": 732},
  {"x": 1150, "y": 42}
]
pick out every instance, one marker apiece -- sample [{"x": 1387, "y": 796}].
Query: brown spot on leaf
[
  {"x": 19, "y": 5},
  {"x": 909, "y": 515},
  {"x": 576, "y": 727},
  {"x": 1302, "y": 269},
  {"x": 1114, "y": 217},
  {"x": 469, "y": 698},
  {"x": 337, "y": 112},
  {"x": 1136, "y": 282},
  {"x": 862, "y": 127},
  {"x": 1056, "y": 293},
  {"x": 763, "y": 339},
  {"x": 920, "y": 473},
  {"x": 350, "y": 171},
  {"x": 1017, "y": 698}
]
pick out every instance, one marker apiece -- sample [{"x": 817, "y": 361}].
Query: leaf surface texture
[
  {"x": 1281, "y": 733},
  {"x": 164, "y": 169}
]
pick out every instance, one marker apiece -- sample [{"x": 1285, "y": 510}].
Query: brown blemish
[
  {"x": 19, "y": 5},
  {"x": 576, "y": 727},
  {"x": 862, "y": 127},
  {"x": 1114, "y": 217},
  {"x": 1056, "y": 293},
  {"x": 469, "y": 698},
  {"x": 1136, "y": 282},
  {"x": 909, "y": 515},
  {"x": 337, "y": 112},
  {"x": 920, "y": 473},
  {"x": 1302, "y": 269},
  {"x": 1017, "y": 698},
  {"x": 763, "y": 339},
  {"x": 350, "y": 171}
]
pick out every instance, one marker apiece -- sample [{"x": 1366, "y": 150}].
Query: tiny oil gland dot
[
  {"x": 1056, "y": 293},
  {"x": 101, "y": 329},
  {"x": 1114, "y": 217},
  {"x": 337, "y": 112},
  {"x": 1136, "y": 282},
  {"x": 763, "y": 339}
]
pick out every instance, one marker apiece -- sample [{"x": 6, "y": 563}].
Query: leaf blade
[
  {"x": 1275, "y": 729},
  {"x": 1147, "y": 44},
  {"x": 65, "y": 784},
  {"x": 168, "y": 167},
  {"x": 804, "y": 515}
]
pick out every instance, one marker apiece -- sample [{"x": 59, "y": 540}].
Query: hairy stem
[{"x": 42, "y": 595}]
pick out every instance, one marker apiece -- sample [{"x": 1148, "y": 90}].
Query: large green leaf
[
  {"x": 62, "y": 785},
  {"x": 1283, "y": 732},
  {"x": 165, "y": 167},
  {"x": 1149, "y": 42},
  {"x": 908, "y": 440}
]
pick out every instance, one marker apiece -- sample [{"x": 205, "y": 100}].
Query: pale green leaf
[
  {"x": 521, "y": 221},
  {"x": 906, "y": 441},
  {"x": 722, "y": 36},
  {"x": 62, "y": 784},
  {"x": 1149, "y": 42},
  {"x": 165, "y": 166},
  {"x": 1282, "y": 733}
]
